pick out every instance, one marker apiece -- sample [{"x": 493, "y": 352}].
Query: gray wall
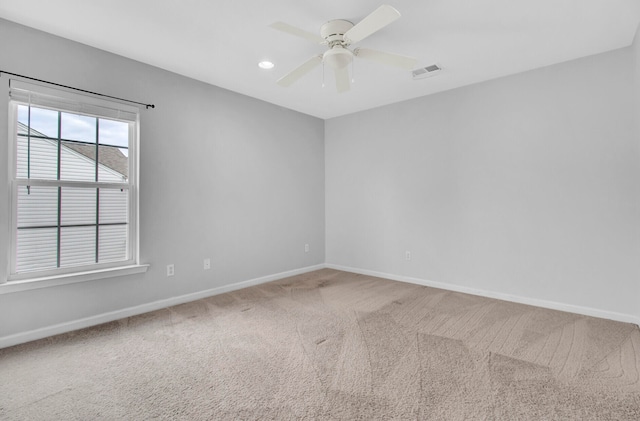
[
  {"x": 222, "y": 176},
  {"x": 636, "y": 79},
  {"x": 526, "y": 185}
]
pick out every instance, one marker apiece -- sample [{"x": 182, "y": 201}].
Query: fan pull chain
[
  {"x": 323, "y": 73},
  {"x": 353, "y": 71}
]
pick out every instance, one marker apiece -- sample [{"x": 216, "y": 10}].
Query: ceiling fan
[{"x": 338, "y": 35}]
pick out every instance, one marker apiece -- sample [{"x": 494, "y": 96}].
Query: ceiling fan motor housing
[{"x": 333, "y": 31}]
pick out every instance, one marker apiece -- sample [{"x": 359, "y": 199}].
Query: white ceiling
[{"x": 221, "y": 41}]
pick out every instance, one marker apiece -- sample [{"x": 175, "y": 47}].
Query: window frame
[{"x": 71, "y": 102}]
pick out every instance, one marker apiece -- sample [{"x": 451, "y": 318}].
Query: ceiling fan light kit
[
  {"x": 338, "y": 35},
  {"x": 338, "y": 58}
]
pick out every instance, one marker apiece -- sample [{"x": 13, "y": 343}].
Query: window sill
[{"x": 72, "y": 278}]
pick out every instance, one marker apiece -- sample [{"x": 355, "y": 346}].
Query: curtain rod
[{"x": 78, "y": 89}]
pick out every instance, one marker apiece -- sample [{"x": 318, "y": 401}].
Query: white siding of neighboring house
[{"x": 36, "y": 249}]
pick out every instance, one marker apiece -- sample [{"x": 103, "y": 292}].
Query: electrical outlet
[
  {"x": 407, "y": 255},
  {"x": 170, "y": 270},
  {"x": 306, "y": 248},
  {"x": 207, "y": 264}
]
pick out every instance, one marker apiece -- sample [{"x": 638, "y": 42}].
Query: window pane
[
  {"x": 43, "y": 122},
  {"x": 37, "y": 206},
  {"x": 114, "y": 205},
  {"x": 112, "y": 242},
  {"x": 114, "y": 165},
  {"x": 37, "y": 158},
  {"x": 23, "y": 118},
  {"x": 114, "y": 133},
  {"x": 36, "y": 249},
  {"x": 78, "y": 161},
  {"x": 79, "y": 206},
  {"x": 77, "y": 246},
  {"x": 78, "y": 127}
]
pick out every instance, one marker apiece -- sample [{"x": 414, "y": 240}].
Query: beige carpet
[{"x": 331, "y": 345}]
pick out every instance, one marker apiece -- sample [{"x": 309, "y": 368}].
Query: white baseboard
[
  {"x": 47, "y": 331},
  {"x": 570, "y": 308}
]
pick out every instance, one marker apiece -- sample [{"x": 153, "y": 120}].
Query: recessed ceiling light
[{"x": 266, "y": 65}]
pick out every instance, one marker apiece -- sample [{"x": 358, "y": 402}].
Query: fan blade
[
  {"x": 342, "y": 79},
  {"x": 386, "y": 58},
  {"x": 377, "y": 20},
  {"x": 285, "y": 27},
  {"x": 288, "y": 79}
]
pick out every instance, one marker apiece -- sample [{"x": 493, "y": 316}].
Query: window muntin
[{"x": 74, "y": 199}]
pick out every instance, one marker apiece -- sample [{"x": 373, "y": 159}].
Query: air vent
[{"x": 428, "y": 71}]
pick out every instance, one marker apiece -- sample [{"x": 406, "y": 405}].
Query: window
[{"x": 73, "y": 182}]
